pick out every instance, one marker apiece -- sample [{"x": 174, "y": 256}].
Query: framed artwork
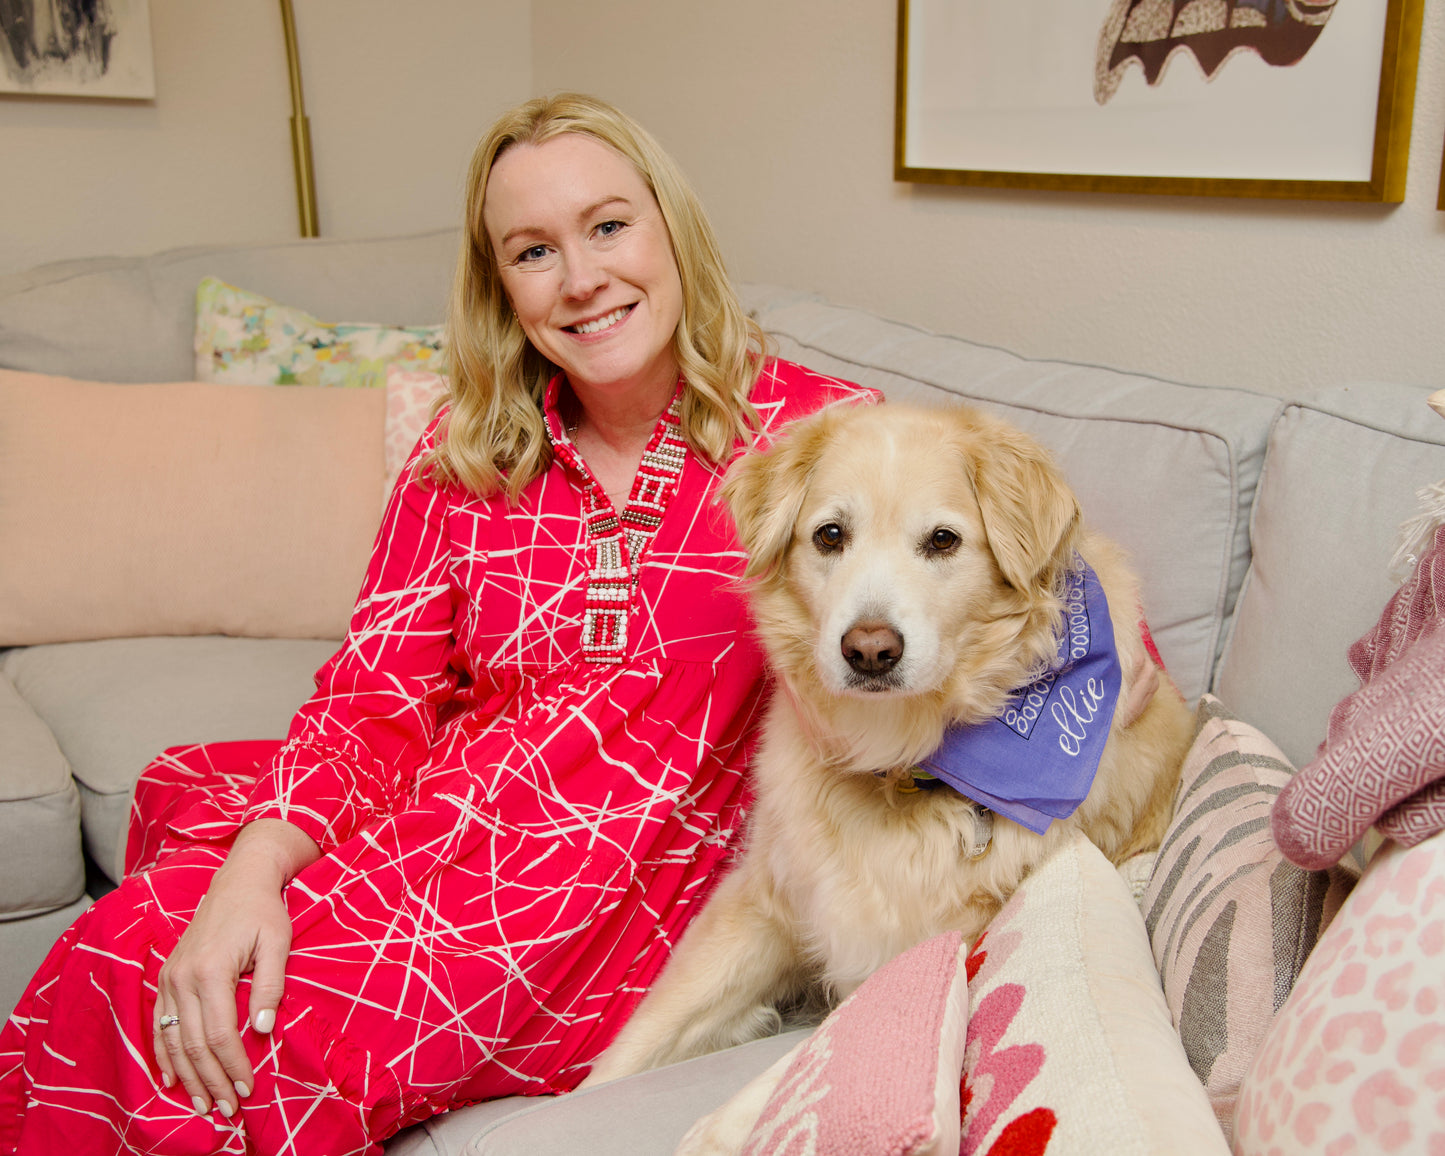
[
  {"x": 1440, "y": 204},
  {"x": 77, "y": 48},
  {"x": 1249, "y": 98}
]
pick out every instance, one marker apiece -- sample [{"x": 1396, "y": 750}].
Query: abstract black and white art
[
  {"x": 77, "y": 48},
  {"x": 1279, "y": 98}
]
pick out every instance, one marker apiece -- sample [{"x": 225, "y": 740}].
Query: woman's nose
[{"x": 584, "y": 274}]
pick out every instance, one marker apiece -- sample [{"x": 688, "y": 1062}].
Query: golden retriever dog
[{"x": 907, "y": 570}]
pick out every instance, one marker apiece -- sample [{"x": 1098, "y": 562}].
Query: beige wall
[
  {"x": 781, "y": 111},
  {"x": 397, "y": 94}
]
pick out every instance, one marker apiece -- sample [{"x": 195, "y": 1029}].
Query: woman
[{"x": 522, "y": 768}]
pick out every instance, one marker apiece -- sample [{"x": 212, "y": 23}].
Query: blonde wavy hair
[{"x": 494, "y": 437}]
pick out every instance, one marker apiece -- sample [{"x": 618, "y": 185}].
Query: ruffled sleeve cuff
[{"x": 330, "y": 788}]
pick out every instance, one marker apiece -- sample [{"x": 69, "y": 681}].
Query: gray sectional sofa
[{"x": 1262, "y": 527}]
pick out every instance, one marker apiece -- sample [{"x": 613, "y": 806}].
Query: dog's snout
[{"x": 872, "y": 647}]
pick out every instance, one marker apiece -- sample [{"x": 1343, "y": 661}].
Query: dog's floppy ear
[
  {"x": 1030, "y": 514},
  {"x": 765, "y": 491}
]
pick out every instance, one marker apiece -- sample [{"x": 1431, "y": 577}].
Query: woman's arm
[
  {"x": 240, "y": 926},
  {"x": 351, "y": 755},
  {"x": 354, "y": 747}
]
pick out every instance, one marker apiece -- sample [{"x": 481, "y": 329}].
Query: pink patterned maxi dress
[{"x": 523, "y": 766}]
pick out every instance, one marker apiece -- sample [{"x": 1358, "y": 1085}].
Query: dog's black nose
[{"x": 872, "y": 648}]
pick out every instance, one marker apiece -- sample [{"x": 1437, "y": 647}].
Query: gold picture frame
[
  {"x": 1440, "y": 204},
  {"x": 1033, "y": 135}
]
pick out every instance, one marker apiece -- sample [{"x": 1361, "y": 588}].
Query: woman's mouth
[{"x": 598, "y": 324}]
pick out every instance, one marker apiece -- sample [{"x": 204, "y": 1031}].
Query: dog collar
[
  {"x": 915, "y": 779},
  {"x": 1036, "y": 761}
]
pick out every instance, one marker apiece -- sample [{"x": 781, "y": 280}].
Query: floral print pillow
[{"x": 245, "y": 339}]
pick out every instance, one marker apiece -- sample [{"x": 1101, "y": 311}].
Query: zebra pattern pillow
[{"x": 1231, "y": 921}]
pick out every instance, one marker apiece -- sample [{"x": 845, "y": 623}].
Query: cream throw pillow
[{"x": 129, "y": 510}]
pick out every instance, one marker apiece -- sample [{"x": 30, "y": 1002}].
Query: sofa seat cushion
[
  {"x": 1167, "y": 470},
  {"x": 1352, "y": 457},
  {"x": 40, "y": 857},
  {"x": 114, "y": 704}
]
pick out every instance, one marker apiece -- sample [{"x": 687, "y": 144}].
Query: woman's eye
[
  {"x": 943, "y": 540},
  {"x": 829, "y": 537},
  {"x": 535, "y": 253},
  {"x": 610, "y": 228}
]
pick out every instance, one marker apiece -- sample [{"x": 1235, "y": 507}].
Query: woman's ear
[
  {"x": 1030, "y": 514},
  {"x": 765, "y": 489}
]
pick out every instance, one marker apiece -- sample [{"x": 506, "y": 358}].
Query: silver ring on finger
[{"x": 169, "y": 1021}]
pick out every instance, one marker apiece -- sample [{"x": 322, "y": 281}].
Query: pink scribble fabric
[
  {"x": 1383, "y": 761},
  {"x": 1355, "y": 1061},
  {"x": 524, "y": 764},
  {"x": 881, "y": 1074}
]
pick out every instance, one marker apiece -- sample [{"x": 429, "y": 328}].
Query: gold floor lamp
[{"x": 300, "y": 131}]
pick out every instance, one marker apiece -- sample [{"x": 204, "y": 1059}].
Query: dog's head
[{"x": 896, "y": 551}]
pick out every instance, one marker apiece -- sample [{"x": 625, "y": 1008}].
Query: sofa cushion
[
  {"x": 1350, "y": 457},
  {"x": 1167, "y": 470},
  {"x": 132, "y": 318},
  {"x": 642, "y": 1115},
  {"x": 185, "y": 508},
  {"x": 24, "y": 944},
  {"x": 245, "y": 338},
  {"x": 113, "y": 705},
  {"x": 40, "y": 858}
]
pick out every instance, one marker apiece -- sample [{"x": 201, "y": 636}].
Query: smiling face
[{"x": 587, "y": 264}]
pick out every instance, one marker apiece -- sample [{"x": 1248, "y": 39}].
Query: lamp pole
[{"x": 300, "y": 131}]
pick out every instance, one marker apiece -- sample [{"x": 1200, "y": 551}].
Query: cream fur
[{"x": 842, "y": 871}]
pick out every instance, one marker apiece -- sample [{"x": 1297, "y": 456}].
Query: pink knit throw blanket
[{"x": 1383, "y": 761}]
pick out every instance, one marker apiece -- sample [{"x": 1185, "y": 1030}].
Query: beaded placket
[{"x": 619, "y": 541}]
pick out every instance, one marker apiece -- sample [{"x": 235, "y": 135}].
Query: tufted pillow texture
[
  {"x": 1070, "y": 1045},
  {"x": 1230, "y": 920},
  {"x": 882, "y": 1073},
  {"x": 247, "y": 339}
]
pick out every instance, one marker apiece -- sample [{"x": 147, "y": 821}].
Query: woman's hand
[{"x": 240, "y": 926}]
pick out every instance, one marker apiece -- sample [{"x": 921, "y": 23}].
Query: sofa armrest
[{"x": 40, "y": 856}]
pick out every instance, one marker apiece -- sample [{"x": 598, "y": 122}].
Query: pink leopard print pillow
[
  {"x": 411, "y": 396},
  {"x": 1355, "y": 1060}
]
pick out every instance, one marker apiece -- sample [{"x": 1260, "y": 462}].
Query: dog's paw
[{"x": 720, "y": 1133}]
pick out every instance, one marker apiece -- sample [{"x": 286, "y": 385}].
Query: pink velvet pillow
[{"x": 129, "y": 510}]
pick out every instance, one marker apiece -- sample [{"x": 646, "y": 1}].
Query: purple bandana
[{"x": 1036, "y": 761}]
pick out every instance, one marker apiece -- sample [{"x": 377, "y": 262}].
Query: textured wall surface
[
  {"x": 782, "y": 114},
  {"x": 396, "y": 95}
]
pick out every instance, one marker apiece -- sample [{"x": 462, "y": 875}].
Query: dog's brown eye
[
  {"x": 942, "y": 540},
  {"x": 828, "y": 537}
]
